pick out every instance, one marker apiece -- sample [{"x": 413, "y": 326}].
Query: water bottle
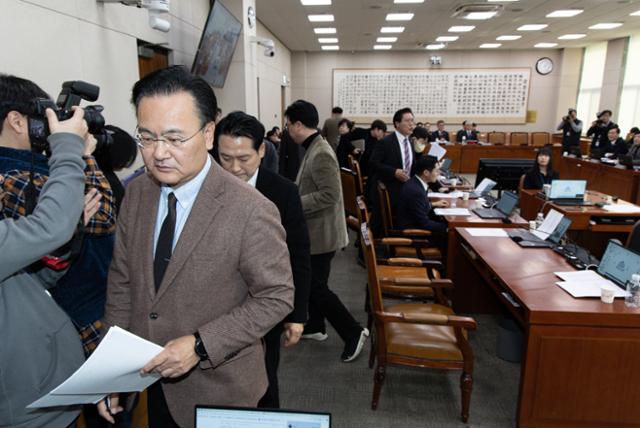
[
  {"x": 464, "y": 139},
  {"x": 632, "y": 298},
  {"x": 539, "y": 220}
]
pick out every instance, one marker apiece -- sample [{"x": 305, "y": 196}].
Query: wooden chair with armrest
[
  {"x": 633, "y": 241},
  {"x": 540, "y": 139},
  {"x": 427, "y": 251},
  {"x": 360, "y": 180},
  {"x": 521, "y": 183},
  {"x": 349, "y": 194},
  {"x": 497, "y": 138},
  {"x": 427, "y": 335},
  {"x": 519, "y": 139}
]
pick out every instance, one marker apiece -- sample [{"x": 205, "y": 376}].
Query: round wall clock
[{"x": 544, "y": 66}]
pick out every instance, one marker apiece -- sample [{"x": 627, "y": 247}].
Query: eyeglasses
[{"x": 146, "y": 141}]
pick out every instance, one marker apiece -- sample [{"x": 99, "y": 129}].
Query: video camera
[{"x": 72, "y": 93}]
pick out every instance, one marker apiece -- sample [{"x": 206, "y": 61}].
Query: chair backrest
[
  {"x": 633, "y": 241},
  {"x": 355, "y": 167},
  {"x": 369, "y": 252},
  {"x": 496, "y": 138},
  {"x": 385, "y": 208},
  {"x": 539, "y": 139},
  {"x": 521, "y": 183},
  {"x": 519, "y": 139},
  {"x": 348, "y": 181}
]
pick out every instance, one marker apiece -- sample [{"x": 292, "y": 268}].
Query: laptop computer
[
  {"x": 241, "y": 417},
  {"x": 482, "y": 189},
  {"x": 619, "y": 263},
  {"x": 503, "y": 209},
  {"x": 568, "y": 192},
  {"x": 527, "y": 239}
]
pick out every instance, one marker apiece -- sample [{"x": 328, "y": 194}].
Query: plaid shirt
[{"x": 103, "y": 222}]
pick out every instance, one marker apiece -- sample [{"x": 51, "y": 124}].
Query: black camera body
[{"x": 72, "y": 93}]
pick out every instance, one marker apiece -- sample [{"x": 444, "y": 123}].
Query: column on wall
[
  {"x": 613, "y": 75},
  {"x": 569, "y": 80}
]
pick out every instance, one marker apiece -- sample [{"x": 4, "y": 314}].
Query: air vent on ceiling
[{"x": 478, "y": 11}]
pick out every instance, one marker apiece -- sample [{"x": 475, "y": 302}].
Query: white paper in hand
[
  {"x": 113, "y": 367},
  {"x": 437, "y": 151}
]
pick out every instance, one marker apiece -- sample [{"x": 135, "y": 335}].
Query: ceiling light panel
[
  {"x": 399, "y": 16},
  {"x": 490, "y": 45},
  {"x": 328, "y": 40},
  {"x": 572, "y": 36},
  {"x": 386, "y": 39},
  {"x": 316, "y": 2},
  {"x": 327, "y": 30},
  {"x": 407, "y": 1},
  {"x": 330, "y": 47},
  {"x": 479, "y": 16},
  {"x": 508, "y": 38},
  {"x": 392, "y": 29},
  {"x": 435, "y": 46},
  {"x": 532, "y": 27},
  {"x": 381, "y": 47},
  {"x": 447, "y": 38},
  {"x": 321, "y": 18},
  {"x": 636, "y": 13},
  {"x": 461, "y": 28},
  {"x": 545, "y": 45},
  {"x": 606, "y": 26},
  {"x": 564, "y": 13}
]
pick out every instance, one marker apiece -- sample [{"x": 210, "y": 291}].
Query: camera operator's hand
[
  {"x": 75, "y": 124},
  {"x": 91, "y": 204},
  {"x": 90, "y": 144}
]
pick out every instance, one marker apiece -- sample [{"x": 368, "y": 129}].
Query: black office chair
[{"x": 633, "y": 241}]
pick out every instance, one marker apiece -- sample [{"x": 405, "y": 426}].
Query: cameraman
[
  {"x": 600, "y": 129},
  {"x": 571, "y": 128},
  {"x": 40, "y": 346}
]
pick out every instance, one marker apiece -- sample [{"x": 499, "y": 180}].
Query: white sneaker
[
  {"x": 320, "y": 337},
  {"x": 353, "y": 349}
]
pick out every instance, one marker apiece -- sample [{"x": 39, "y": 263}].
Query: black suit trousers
[
  {"x": 325, "y": 304},
  {"x": 271, "y": 398}
]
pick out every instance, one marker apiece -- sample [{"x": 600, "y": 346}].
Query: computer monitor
[
  {"x": 567, "y": 189},
  {"x": 619, "y": 263},
  {"x": 505, "y": 172},
  {"x": 560, "y": 230},
  {"x": 507, "y": 203},
  {"x": 240, "y": 417}
]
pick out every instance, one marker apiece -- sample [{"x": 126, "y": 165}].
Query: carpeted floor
[{"x": 312, "y": 376}]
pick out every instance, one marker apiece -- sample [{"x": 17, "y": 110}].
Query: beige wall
[
  {"x": 569, "y": 69},
  {"x": 312, "y": 76},
  {"x": 613, "y": 78}
]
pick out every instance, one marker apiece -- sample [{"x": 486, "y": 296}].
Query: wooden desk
[
  {"x": 624, "y": 183},
  {"x": 473, "y": 220},
  {"x": 582, "y": 219},
  {"x": 585, "y": 142},
  {"x": 580, "y": 359},
  {"x": 465, "y": 158}
]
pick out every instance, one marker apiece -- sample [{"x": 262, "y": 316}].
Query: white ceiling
[{"x": 358, "y": 23}]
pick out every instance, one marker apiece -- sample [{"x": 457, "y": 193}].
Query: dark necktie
[{"x": 164, "y": 247}]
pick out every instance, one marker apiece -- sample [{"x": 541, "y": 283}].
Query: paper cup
[
  {"x": 454, "y": 181},
  {"x": 465, "y": 196},
  {"x": 532, "y": 225},
  {"x": 607, "y": 293},
  {"x": 546, "y": 188}
]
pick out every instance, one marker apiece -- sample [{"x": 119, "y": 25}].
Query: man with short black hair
[
  {"x": 200, "y": 264},
  {"x": 466, "y": 133},
  {"x": 330, "y": 127},
  {"x": 241, "y": 150},
  {"x": 571, "y": 128},
  {"x": 599, "y": 131},
  {"x": 321, "y": 194},
  {"x": 377, "y": 131}
]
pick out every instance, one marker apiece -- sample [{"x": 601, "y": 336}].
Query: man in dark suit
[
  {"x": 415, "y": 211},
  {"x": 240, "y": 151},
  {"x": 440, "y": 135},
  {"x": 392, "y": 160},
  {"x": 467, "y": 133},
  {"x": 599, "y": 131}
]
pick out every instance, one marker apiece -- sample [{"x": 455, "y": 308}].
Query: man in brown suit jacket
[
  {"x": 321, "y": 196},
  {"x": 200, "y": 264}
]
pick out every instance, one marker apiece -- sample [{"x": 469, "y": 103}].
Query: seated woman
[
  {"x": 634, "y": 150},
  {"x": 542, "y": 171}
]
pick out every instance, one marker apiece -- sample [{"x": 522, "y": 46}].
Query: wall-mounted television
[{"x": 217, "y": 44}]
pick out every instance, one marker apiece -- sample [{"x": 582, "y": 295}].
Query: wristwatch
[{"x": 199, "y": 347}]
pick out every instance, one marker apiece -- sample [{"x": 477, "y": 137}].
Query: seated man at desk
[
  {"x": 634, "y": 150},
  {"x": 440, "y": 135},
  {"x": 541, "y": 172},
  {"x": 618, "y": 145},
  {"x": 415, "y": 211},
  {"x": 467, "y": 133}
]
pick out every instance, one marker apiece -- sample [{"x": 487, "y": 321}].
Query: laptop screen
[
  {"x": 446, "y": 164},
  {"x": 507, "y": 202},
  {"x": 567, "y": 189},
  {"x": 485, "y": 186},
  {"x": 560, "y": 230},
  {"x": 619, "y": 263},
  {"x": 235, "y": 417}
]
